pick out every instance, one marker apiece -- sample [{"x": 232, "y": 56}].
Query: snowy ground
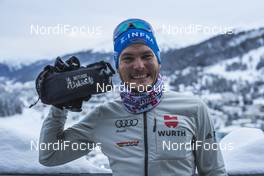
[
  {"x": 247, "y": 154},
  {"x": 18, "y": 154}
]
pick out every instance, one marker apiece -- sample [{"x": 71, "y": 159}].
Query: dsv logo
[{"x": 126, "y": 123}]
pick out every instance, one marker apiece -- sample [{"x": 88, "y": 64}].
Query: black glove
[
  {"x": 75, "y": 83},
  {"x": 71, "y": 64},
  {"x": 74, "y": 106}
]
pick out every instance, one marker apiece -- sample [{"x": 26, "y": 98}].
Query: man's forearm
[{"x": 53, "y": 134}]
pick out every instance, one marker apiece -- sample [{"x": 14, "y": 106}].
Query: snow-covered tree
[{"x": 10, "y": 103}]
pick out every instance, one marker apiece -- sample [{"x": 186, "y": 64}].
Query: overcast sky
[{"x": 35, "y": 29}]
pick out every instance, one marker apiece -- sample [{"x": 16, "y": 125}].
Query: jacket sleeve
[
  {"x": 73, "y": 142},
  {"x": 209, "y": 161}
]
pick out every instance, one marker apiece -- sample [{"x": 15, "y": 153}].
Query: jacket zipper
[
  {"x": 155, "y": 125},
  {"x": 145, "y": 143}
]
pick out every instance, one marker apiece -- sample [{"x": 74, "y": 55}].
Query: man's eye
[
  {"x": 147, "y": 57},
  {"x": 127, "y": 59}
]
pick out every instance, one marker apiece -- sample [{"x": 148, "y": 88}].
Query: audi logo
[{"x": 126, "y": 123}]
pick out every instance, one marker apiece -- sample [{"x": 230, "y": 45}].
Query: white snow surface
[
  {"x": 247, "y": 154},
  {"x": 18, "y": 154}
]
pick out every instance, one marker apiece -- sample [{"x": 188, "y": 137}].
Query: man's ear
[{"x": 159, "y": 69}]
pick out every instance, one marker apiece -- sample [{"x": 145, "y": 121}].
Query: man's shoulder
[
  {"x": 182, "y": 97},
  {"x": 181, "y": 103}
]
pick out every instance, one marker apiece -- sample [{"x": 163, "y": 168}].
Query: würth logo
[{"x": 171, "y": 121}]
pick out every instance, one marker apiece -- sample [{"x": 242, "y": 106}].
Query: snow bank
[
  {"x": 247, "y": 155},
  {"x": 18, "y": 156}
]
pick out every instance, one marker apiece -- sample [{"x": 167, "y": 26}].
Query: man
[{"x": 147, "y": 131}]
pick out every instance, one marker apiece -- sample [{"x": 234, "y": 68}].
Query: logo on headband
[{"x": 137, "y": 35}]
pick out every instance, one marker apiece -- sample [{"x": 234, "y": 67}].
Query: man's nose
[{"x": 138, "y": 63}]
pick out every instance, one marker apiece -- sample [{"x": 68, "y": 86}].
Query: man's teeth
[{"x": 139, "y": 76}]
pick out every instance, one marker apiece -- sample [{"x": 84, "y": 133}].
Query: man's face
[{"x": 138, "y": 65}]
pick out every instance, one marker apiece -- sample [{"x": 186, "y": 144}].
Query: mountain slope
[
  {"x": 29, "y": 72},
  {"x": 212, "y": 51}
]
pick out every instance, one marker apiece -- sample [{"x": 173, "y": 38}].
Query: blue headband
[{"x": 135, "y": 36}]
